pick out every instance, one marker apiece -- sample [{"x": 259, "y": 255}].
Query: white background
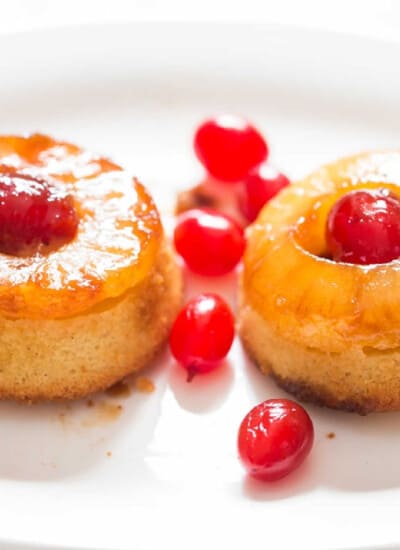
[{"x": 379, "y": 18}]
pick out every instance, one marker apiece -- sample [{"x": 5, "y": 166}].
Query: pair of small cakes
[{"x": 88, "y": 300}]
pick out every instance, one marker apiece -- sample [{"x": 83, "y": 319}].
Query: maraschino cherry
[
  {"x": 274, "y": 439},
  {"x": 32, "y": 211},
  {"x": 202, "y": 334},
  {"x": 229, "y": 147},
  {"x": 260, "y": 185},
  {"x": 363, "y": 227},
  {"x": 211, "y": 243}
]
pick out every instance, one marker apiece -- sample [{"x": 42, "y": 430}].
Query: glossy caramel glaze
[
  {"x": 118, "y": 236},
  {"x": 306, "y": 297}
]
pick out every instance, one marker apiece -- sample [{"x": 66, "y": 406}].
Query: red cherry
[
  {"x": 363, "y": 227},
  {"x": 32, "y": 211},
  {"x": 260, "y": 186},
  {"x": 202, "y": 334},
  {"x": 228, "y": 147},
  {"x": 211, "y": 243},
  {"x": 274, "y": 439}
]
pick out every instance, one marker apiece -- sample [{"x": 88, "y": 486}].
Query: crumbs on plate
[{"x": 144, "y": 385}]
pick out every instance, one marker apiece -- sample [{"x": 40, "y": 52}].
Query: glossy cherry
[
  {"x": 228, "y": 147},
  {"x": 211, "y": 243},
  {"x": 202, "y": 334},
  {"x": 363, "y": 227},
  {"x": 260, "y": 186},
  {"x": 33, "y": 211},
  {"x": 274, "y": 439}
]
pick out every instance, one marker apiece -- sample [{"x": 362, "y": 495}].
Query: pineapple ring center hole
[{"x": 310, "y": 230}]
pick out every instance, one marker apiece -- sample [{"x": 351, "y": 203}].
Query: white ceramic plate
[{"x": 173, "y": 480}]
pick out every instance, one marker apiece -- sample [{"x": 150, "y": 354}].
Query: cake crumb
[
  {"x": 90, "y": 403},
  {"x": 64, "y": 419},
  {"x": 331, "y": 435},
  {"x": 144, "y": 385},
  {"x": 102, "y": 413},
  {"x": 196, "y": 197},
  {"x": 109, "y": 453}
]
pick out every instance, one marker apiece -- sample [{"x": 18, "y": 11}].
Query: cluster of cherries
[{"x": 276, "y": 435}]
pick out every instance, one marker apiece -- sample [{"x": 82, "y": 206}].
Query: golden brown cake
[
  {"x": 328, "y": 332},
  {"x": 77, "y": 318}
]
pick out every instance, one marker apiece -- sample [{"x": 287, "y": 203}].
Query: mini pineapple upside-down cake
[
  {"x": 88, "y": 284},
  {"x": 320, "y": 292}
]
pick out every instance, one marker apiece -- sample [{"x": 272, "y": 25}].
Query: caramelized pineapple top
[
  {"x": 118, "y": 234},
  {"x": 292, "y": 284}
]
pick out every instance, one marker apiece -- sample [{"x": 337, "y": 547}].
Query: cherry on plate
[
  {"x": 274, "y": 439},
  {"x": 202, "y": 334},
  {"x": 211, "y": 243},
  {"x": 363, "y": 227},
  {"x": 260, "y": 186},
  {"x": 228, "y": 147}
]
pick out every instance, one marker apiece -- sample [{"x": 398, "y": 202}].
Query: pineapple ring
[
  {"x": 118, "y": 237},
  {"x": 328, "y": 331}
]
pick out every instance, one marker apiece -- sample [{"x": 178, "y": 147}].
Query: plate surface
[{"x": 173, "y": 480}]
